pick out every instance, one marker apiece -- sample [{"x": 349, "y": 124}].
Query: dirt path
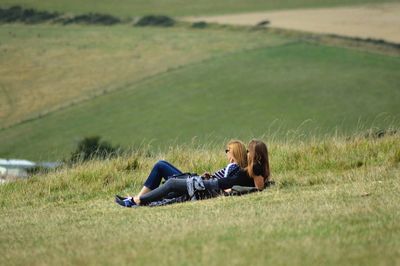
[{"x": 378, "y": 21}]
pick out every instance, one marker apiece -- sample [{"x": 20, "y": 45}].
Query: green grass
[
  {"x": 334, "y": 202},
  {"x": 45, "y": 67},
  {"x": 126, "y": 8},
  {"x": 307, "y": 88}
]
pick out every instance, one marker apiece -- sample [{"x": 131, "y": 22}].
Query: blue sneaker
[{"x": 127, "y": 202}]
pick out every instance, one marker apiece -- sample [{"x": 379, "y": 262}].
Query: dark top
[{"x": 241, "y": 178}]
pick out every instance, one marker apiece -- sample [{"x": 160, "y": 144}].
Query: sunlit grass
[{"x": 325, "y": 208}]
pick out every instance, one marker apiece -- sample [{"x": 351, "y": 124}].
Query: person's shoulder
[
  {"x": 243, "y": 172},
  {"x": 231, "y": 169},
  {"x": 232, "y": 166}
]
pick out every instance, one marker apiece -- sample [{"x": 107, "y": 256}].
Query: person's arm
[
  {"x": 218, "y": 174},
  {"x": 259, "y": 182},
  {"x": 206, "y": 175}
]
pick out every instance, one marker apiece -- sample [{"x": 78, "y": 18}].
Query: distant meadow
[{"x": 165, "y": 86}]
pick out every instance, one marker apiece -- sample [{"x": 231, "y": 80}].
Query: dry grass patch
[{"x": 377, "y": 21}]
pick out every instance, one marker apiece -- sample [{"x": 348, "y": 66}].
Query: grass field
[
  {"x": 126, "y": 8},
  {"x": 45, "y": 67},
  {"x": 278, "y": 86},
  {"x": 178, "y": 94},
  {"x": 334, "y": 202}
]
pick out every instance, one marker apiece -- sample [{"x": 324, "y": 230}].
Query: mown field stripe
[
  {"x": 267, "y": 91},
  {"x": 126, "y": 8}
]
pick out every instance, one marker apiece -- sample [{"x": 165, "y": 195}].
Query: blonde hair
[
  {"x": 258, "y": 159},
  {"x": 239, "y": 152}
]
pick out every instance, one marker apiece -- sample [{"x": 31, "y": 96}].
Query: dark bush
[
  {"x": 92, "y": 148},
  {"x": 151, "y": 20},
  {"x": 199, "y": 25},
  {"x": 380, "y": 133},
  {"x": 91, "y": 18},
  {"x": 13, "y": 14},
  {"x": 29, "y": 16},
  {"x": 263, "y": 23}
]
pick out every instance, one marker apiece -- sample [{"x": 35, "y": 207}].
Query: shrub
[
  {"x": 29, "y": 16},
  {"x": 91, "y": 18},
  {"x": 152, "y": 20},
  {"x": 92, "y": 148},
  {"x": 199, "y": 25},
  {"x": 379, "y": 133},
  {"x": 263, "y": 23}
]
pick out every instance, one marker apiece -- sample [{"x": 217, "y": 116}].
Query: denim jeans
[
  {"x": 173, "y": 185},
  {"x": 162, "y": 169}
]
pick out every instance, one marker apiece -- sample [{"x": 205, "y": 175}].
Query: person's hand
[{"x": 206, "y": 175}]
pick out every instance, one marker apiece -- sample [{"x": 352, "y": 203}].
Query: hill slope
[
  {"x": 264, "y": 91},
  {"x": 335, "y": 202},
  {"x": 45, "y": 67}
]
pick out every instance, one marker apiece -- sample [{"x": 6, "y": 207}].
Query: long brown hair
[
  {"x": 258, "y": 159},
  {"x": 238, "y": 150}
]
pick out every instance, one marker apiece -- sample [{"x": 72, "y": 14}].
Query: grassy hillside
[
  {"x": 124, "y": 8},
  {"x": 298, "y": 86},
  {"x": 334, "y": 202},
  {"x": 45, "y": 67}
]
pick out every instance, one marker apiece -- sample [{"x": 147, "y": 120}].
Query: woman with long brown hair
[{"x": 258, "y": 163}]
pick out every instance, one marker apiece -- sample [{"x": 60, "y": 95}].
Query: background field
[
  {"x": 127, "y": 8},
  {"x": 240, "y": 84},
  {"x": 45, "y": 67},
  {"x": 163, "y": 86},
  {"x": 335, "y": 202},
  {"x": 374, "y": 21}
]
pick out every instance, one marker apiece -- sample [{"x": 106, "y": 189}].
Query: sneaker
[
  {"x": 120, "y": 197},
  {"x": 127, "y": 202}
]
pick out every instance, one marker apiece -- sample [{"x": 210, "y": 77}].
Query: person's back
[{"x": 240, "y": 178}]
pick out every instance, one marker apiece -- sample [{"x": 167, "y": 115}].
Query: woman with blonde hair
[
  {"x": 236, "y": 156},
  {"x": 256, "y": 174}
]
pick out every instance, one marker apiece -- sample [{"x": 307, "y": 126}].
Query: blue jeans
[{"x": 162, "y": 169}]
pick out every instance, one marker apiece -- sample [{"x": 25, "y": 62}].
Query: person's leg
[
  {"x": 172, "y": 185},
  {"x": 162, "y": 169}
]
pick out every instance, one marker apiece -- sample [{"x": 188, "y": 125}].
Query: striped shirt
[{"x": 228, "y": 171}]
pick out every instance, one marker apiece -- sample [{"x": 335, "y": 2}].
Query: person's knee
[
  {"x": 170, "y": 183},
  {"x": 161, "y": 164}
]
